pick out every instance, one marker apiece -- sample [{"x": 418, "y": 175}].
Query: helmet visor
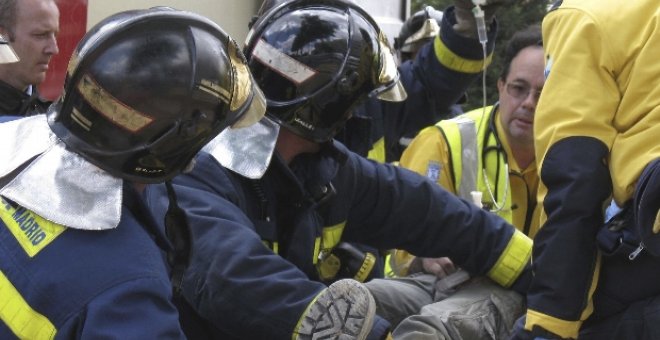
[
  {"x": 391, "y": 88},
  {"x": 254, "y": 112},
  {"x": 7, "y": 54},
  {"x": 247, "y": 96}
]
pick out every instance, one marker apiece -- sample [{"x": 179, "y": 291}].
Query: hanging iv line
[
  {"x": 498, "y": 206},
  {"x": 479, "y": 18}
]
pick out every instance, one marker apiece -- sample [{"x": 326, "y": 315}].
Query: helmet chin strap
[{"x": 177, "y": 230}]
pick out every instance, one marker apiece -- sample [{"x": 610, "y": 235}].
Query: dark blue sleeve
[
  {"x": 233, "y": 280},
  {"x": 391, "y": 207}
]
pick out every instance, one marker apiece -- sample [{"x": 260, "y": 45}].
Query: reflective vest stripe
[
  {"x": 462, "y": 140},
  {"x": 513, "y": 260},
  {"x": 455, "y": 62},
  {"x": 16, "y": 313},
  {"x": 469, "y": 160}
]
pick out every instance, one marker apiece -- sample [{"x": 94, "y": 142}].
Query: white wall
[
  {"x": 389, "y": 14},
  {"x": 232, "y": 15}
]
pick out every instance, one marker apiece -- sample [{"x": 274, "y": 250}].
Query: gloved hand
[{"x": 465, "y": 22}]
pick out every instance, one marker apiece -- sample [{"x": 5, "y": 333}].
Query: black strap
[{"x": 177, "y": 230}]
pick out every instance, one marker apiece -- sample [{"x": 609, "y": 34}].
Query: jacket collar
[{"x": 11, "y": 99}]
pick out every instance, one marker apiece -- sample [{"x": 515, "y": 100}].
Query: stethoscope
[{"x": 500, "y": 152}]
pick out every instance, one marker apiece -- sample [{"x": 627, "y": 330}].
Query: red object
[{"x": 73, "y": 25}]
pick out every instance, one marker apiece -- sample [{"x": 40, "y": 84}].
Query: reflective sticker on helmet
[
  {"x": 281, "y": 63},
  {"x": 111, "y": 108},
  {"x": 214, "y": 90},
  {"x": 80, "y": 119}
]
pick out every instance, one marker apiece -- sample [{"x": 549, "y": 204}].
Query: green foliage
[{"x": 510, "y": 18}]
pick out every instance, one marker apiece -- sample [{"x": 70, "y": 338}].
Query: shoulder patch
[
  {"x": 31, "y": 231},
  {"x": 433, "y": 170}
]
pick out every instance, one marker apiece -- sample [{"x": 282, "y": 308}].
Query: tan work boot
[{"x": 344, "y": 311}]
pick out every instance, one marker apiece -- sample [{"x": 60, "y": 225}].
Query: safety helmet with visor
[
  {"x": 316, "y": 60},
  {"x": 416, "y": 31},
  {"x": 145, "y": 90}
]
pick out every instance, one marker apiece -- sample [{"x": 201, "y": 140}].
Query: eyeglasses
[{"x": 521, "y": 91}]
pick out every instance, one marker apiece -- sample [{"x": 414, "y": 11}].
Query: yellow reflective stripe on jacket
[
  {"x": 513, "y": 260},
  {"x": 455, "y": 62},
  {"x": 17, "y": 314},
  {"x": 332, "y": 235},
  {"x": 377, "y": 152},
  {"x": 31, "y": 231},
  {"x": 563, "y": 328}
]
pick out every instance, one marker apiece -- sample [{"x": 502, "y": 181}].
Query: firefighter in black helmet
[
  {"x": 145, "y": 91},
  {"x": 449, "y": 58},
  {"x": 265, "y": 225}
]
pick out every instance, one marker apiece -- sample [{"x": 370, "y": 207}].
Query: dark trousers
[{"x": 640, "y": 321}]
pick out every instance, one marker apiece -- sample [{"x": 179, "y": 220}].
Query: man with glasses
[{"x": 489, "y": 150}]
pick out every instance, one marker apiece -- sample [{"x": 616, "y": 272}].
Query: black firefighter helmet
[
  {"x": 418, "y": 29},
  {"x": 316, "y": 60},
  {"x": 145, "y": 90}
]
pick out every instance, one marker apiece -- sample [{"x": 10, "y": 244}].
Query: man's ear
[{"x": 500, "y": 84}]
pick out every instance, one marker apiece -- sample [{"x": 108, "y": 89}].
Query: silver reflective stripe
[{"x": 468, "y": 130}]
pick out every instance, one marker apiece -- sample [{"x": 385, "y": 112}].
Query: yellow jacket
[{"x": 596, "y": 128}]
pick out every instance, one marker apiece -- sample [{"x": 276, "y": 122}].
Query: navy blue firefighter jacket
[{"x": 258, "y": 245}]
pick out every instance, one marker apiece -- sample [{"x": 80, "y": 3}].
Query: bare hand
[{"x": 440, "y": 267}]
